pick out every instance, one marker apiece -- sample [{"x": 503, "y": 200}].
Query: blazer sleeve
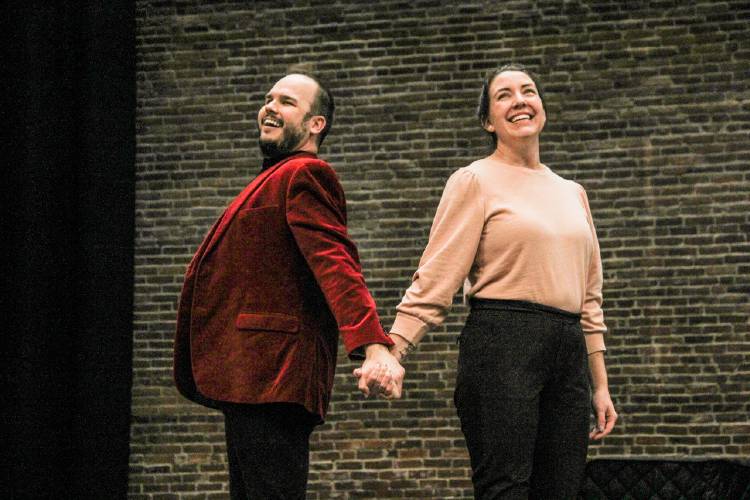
[{"x": 316, "y": 215}]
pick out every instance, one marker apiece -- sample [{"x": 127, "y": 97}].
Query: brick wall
[{"x": 648, "y": 107}]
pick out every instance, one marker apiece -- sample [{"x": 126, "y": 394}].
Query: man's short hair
[{"x": 322, "y": 104}]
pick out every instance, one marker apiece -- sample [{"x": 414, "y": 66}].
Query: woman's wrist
[
  {"x": 402, "y": 346},
  {"x": 598, "y": 370},
  {"x": 600, "y": 390}
]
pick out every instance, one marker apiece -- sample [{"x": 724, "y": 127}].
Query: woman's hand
[
  {"x": 601, "y": 402},
  {"x": 604, "y": 411}
]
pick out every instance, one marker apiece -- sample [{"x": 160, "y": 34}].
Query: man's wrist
[{"x": 372, "y": 349}]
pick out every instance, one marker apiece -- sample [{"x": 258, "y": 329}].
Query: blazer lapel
[{"x": 223, "y": 222}]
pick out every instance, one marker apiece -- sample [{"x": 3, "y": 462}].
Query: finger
[
  {"x": 396, "y": 390},
  {"x": 398, "y": 375},
  {"x": 369, "y": 370},
  {"x": 611, "y": 419},
  {"x": 600, "y": 435},
  {"x": 388, "y": 392},
  {"x": 373, "y": 380},
  {"x": 385, "y": 379},
  {"x": 385, "y": 371},
  {"x": 376, "y": 374},
  {"x": 600, "y": 420},
  {"x": 613, "y": 416},
  {"x": 385, "y": 382},
  {"x": 397, "y": 381},
  {"x": 363, "y": 387},
  {"x": 595, "y": 434}
]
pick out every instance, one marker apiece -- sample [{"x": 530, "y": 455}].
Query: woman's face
[{"x": 515, "y": 108}]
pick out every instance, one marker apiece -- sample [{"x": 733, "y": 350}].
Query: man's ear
[{"x": 317, "y": 124}]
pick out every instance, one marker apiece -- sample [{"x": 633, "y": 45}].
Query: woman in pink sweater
[{"x": 522, "y": 241}]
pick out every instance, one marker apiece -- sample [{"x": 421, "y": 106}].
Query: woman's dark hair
[{"x": 483, "y": 109}]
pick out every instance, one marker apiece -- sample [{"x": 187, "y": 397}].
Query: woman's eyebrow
[{"x": 525, "y": 85}]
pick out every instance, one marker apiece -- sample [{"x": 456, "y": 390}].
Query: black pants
[
  {"x": 268, "y": 448},
  {"x": 522, "y": 396}
]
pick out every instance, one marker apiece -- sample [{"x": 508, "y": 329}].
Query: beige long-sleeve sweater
[{"x": 513, "y": 233}]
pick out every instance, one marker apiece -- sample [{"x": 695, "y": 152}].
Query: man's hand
[{"x": 380, "y": 373}]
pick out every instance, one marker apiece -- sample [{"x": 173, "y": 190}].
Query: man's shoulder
[
  {"x": 307, "y": 173},
  {"x": 307, "y": 167},
  {"x": 305, "y": 162}
]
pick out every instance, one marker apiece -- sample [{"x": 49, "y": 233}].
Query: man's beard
[{"x": 291, "y": 137}]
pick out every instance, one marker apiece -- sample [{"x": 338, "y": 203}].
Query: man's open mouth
[{"x": 271, "y": 122}]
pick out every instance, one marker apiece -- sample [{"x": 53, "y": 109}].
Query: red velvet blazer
[{"x": 268, "y": 292}]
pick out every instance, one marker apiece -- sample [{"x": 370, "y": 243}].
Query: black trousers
[
  {"x": 268, "y": 447},
  {"x": 522, "y": 396}
]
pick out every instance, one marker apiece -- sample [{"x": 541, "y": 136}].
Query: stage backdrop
[
  {"x": 67, "y": 240},
  {"x": 648, "y": 108}
]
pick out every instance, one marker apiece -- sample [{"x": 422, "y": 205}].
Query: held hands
[
  {"x": 380, "y": 374},
  {"x": 605, "y": 413}
]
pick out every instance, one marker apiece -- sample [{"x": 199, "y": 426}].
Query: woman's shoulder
[
  {"x": 477, "y": 171},
  {"x": 569, "y": 183},
  {"x": 478, "y": 166},
  {"x": 572, "y": 187},
  {"x": 466, "y": 180},
  {"x": 467, "y": 174}
]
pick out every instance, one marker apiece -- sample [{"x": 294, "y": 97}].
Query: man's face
[{"x": 284, "y": 119}]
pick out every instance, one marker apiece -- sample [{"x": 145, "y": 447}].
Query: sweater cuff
[
  {"x": 410, "y": 327},
  {"x": 595, "y": 342}
]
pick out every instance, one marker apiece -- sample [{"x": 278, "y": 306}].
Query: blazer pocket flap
[{"x": 267, "y": 321}]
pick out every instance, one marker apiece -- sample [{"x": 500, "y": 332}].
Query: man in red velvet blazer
[{"x": 266, "y": 296}]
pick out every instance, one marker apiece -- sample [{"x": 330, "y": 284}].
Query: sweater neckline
[{"x": 542, "y": 169}]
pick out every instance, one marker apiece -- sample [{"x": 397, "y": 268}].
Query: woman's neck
[{"x": 526, "y": 156}]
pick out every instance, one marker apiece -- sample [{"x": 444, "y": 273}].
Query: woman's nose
[{"x": 518, "y": 99}]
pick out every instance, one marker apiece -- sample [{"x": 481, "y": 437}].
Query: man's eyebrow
[{"x": 282, "y": 96}]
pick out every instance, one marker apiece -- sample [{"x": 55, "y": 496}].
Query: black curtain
[{"x": 68, "y": 227}]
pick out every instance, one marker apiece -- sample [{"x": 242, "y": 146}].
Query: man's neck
[{"x": 270, "y": 161}]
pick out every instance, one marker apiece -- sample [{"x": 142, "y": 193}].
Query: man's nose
[{"x": 270, "y": 106}]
